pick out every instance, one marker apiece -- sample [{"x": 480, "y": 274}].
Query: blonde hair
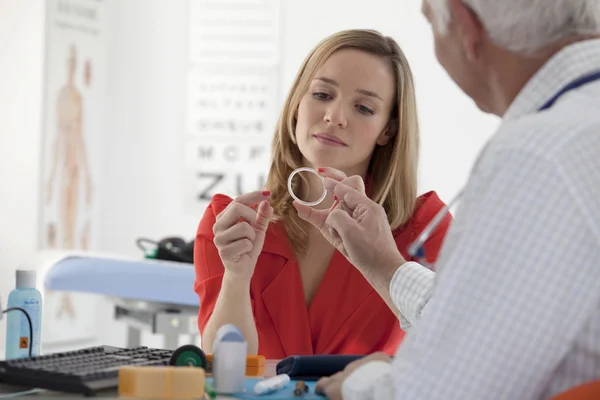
[{"x": 392, "y": 173}]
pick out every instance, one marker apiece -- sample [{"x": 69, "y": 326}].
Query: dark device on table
[
  {"x": 311, "y": 368},
  {"x": 168, "y": 249},
  {"x": 92, "y": 370},
  {"x": 86, "y": 371}
]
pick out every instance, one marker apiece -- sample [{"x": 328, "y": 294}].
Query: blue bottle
[{"x": 27, "y": 297}]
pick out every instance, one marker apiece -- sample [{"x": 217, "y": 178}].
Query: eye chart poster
[
  {"x": 74, "y": 82},
  {"x": 233, "y": 97}
]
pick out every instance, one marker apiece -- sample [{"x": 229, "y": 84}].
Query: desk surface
[{"x": 46, "y": 394}]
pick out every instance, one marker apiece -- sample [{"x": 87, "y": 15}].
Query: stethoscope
[{"x": 416, "y": 248}]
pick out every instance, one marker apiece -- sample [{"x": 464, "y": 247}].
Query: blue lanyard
[{"x": 584, "y": 80}]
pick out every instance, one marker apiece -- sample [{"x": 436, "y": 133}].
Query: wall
[
  {"x": 145, "y": 122},
  {"x": 21, "y": 47}
]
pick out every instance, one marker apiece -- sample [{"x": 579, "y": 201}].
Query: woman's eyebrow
[{"x": 361, "y": 91}]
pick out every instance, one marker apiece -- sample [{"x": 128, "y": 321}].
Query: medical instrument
[
  {"x": 272, "y": 384},
  {"x": 416, "y": 249},
  {"x": 306, "y": 203},
  {"x": 229, "y": 360}
]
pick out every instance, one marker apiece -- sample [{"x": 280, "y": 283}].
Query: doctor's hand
[
  {"x": 318, "y": 218},
  {"x": 240, "y": 233},
  {"x": 356, "y": 226},
  {"x": 331, "y": 386}
]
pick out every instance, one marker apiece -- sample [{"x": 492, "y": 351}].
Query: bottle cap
[{"x": 26, "y": 279}]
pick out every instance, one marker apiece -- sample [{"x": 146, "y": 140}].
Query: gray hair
[{"x": 524, "y": 26}]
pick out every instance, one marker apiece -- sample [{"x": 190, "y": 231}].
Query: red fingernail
[
  {"x": 335, "y": 198},
  {"x": 321, "y": 169},
  {"x": 266, "y": 193}
]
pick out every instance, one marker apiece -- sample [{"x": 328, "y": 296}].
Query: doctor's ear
[{"x": 388, "y": 133}]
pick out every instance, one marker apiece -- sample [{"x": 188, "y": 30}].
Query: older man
[{"x": 514, "y": 311}]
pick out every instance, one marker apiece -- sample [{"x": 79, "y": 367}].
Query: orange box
[
  {"x": 161, "y": 382},
  {"x": 255, "y": 365}
]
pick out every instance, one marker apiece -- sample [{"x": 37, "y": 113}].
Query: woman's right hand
[{"x": 240, "y": 233}]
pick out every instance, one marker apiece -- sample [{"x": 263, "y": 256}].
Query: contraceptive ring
[{"x": 306, "y": 203}]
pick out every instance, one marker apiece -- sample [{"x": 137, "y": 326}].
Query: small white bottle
[
  {"x": 24, "y": 297},
  {"x": 229, "y": 360}
]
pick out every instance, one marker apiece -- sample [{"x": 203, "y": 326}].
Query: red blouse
[{"x": 346, "y": 315}]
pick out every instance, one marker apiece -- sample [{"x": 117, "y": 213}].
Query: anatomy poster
[
  {"x": 233, "y": 97},
  {"x": 74, "y": 82}
]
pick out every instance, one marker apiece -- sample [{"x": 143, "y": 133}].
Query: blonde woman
[{"x": 262, "y": 268}]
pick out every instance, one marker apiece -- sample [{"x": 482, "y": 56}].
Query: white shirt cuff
[
  {"x": 411, "y": 288},
  {"x": 372, "y": 380}
]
